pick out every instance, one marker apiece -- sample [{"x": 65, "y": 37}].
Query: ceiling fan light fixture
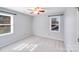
[{"x": 38, "y": 10}]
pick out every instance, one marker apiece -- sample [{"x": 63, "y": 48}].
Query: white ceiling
[{"x": 47, "y": 10}]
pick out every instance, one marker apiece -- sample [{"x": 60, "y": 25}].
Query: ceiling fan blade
[
  {"x": 30, "y": 9},
  {"x": 31, "y": 12}
]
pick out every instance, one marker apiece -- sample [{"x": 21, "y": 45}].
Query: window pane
[
  {"x": 4, "y": 19},
  {"x": 54, "y": 21},
  {"x": 55, "y": 27},
  {"x": 5, "y": 29}
]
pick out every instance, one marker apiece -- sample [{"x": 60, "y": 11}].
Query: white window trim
[
  {"x": 58, "y": 19},
  {"x": 8, "y": 24}
]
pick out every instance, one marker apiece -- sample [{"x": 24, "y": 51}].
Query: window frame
[
  {"x": 58, "y": 19},
  {"x": 11, "y": 24}
]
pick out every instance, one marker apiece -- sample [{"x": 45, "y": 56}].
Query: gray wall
[
  {"x": 77, "y": 32},
  {"x": 70, "y": 28},
  {"x": 22, "y": 28},
  {"x": 77, "y": 29},
  {"x": 41, "y": 27}
]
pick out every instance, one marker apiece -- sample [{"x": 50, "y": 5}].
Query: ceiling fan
[{"x": 37, "y": 10}]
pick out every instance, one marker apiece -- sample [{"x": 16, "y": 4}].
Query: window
[
  {"x": 6, "y": 24},
  {"x": 55, "y": 23}
]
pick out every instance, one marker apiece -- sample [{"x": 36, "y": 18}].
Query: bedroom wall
[
  {"x": 41, "y": 27},
  {"x": 77, "y": 32},
  {"x": 70, "y": 29},
  {"x": 22, "y": 28}
]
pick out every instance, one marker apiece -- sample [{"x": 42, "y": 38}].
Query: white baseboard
[{"x": 49, "y": 37}]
